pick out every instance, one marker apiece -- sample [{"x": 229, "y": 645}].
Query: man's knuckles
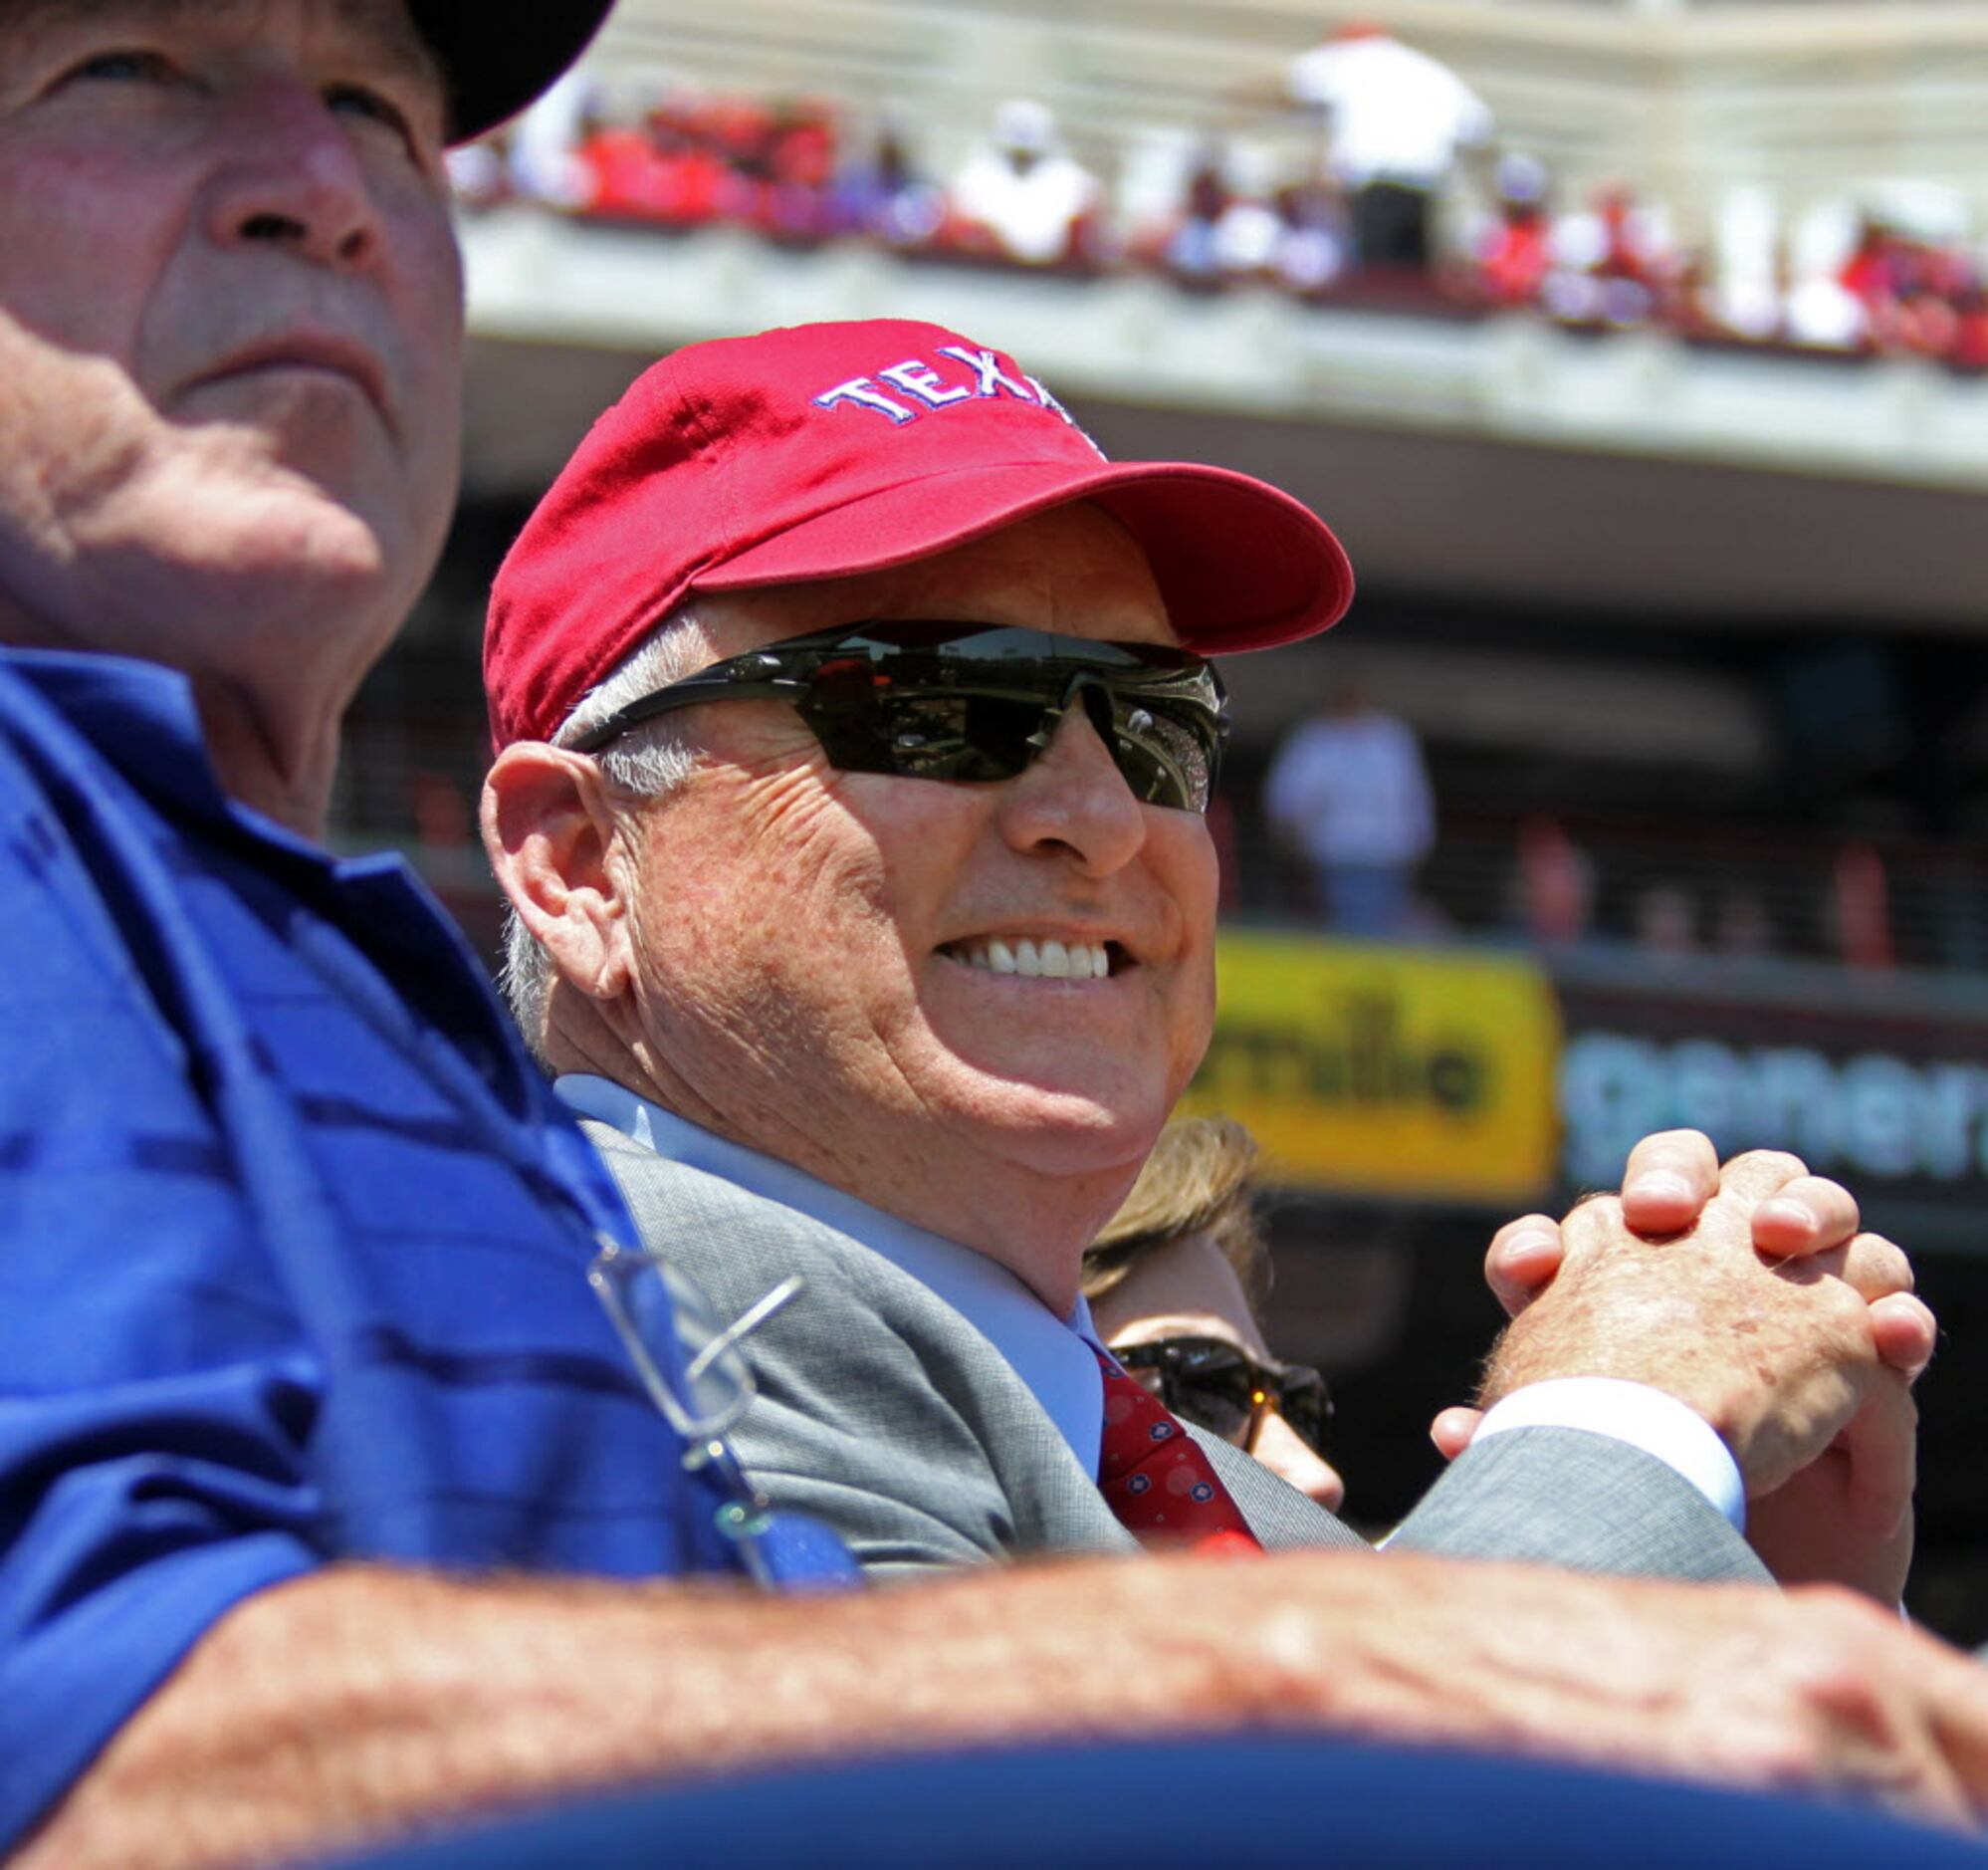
[
  {"x": 1876, "y": 1268},
  {"x": 1906, "y": 1332},
  {"x": 1756, "y": 1174},
  {"x": 1523, "y": 1256},
  {"x": 1845, "y": 1698},
  {"x": 1593, "y": 1225}
]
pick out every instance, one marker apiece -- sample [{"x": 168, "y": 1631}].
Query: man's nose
[
  {"x": 1073, "y": 798},
  {"x": 290, "y": 176},
  {"x": 1291, "y": 1457}
]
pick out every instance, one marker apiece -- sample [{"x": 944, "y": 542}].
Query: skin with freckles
[
  {"x": 1819, "y": 1418},
  {"x": 1846, "y": 1516},
  {"x": 773, "y": 956},
  {"x": 230, "y": 339}
]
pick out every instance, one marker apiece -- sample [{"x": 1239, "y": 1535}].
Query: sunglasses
[
  {"x": 1218, "y": 1386},
  {"x": 973, "y": 701}
]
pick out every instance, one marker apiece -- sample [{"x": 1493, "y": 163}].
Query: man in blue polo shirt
[
  {"x": 293, "y": 1237},
  {"x": 323, "y": 1474}
]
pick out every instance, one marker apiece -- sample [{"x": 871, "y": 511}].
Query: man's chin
[
  {"x": 1074, "y": 1095},
  {"x": 1066, "y": 1123},
  {"x": 244, "y": 523},
  {"x": 329, "y": 450}
]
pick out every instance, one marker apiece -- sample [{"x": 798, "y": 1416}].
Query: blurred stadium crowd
[{"x": 1409, "y": 197}]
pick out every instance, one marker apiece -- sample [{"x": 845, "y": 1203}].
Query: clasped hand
[{"x": 1750, "y": 1295}]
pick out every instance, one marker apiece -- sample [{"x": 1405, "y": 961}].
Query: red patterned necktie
[{"x": 1155, "y": 1477}]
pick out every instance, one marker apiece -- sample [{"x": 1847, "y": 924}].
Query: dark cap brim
[{"x": 498, "y": 55}]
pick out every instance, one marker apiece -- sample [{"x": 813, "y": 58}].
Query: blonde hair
[{"x": 1198, "y": 1180}]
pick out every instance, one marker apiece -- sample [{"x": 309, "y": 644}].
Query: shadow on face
[{"x": 230, "y": 329}]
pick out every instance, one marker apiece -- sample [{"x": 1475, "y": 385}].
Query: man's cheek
[{"x": 1195, "y": 1020}]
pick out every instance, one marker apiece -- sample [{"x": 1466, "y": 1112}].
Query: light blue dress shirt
[{"x": 1055, "y": 1356}]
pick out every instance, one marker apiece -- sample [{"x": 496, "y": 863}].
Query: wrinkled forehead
[
  {"x": 383, "y": 25},
  {"x": 1072, "y": 570}
]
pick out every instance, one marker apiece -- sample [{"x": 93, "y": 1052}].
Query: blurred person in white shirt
[
  {"x": 1348, "y": 788},
  {"x": 1396, "y": 124},
  {"x": 1022, "y": 190}
]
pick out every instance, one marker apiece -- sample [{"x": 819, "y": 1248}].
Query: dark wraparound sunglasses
[
  {"x": 973, "y": 701},
  {"x": 1218, "y": 1386}
]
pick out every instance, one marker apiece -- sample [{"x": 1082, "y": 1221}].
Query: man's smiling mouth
[{"x": 1039, "y": 957}]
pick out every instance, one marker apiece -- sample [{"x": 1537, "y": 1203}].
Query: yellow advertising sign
[{"x": 1387, "y": 1070}]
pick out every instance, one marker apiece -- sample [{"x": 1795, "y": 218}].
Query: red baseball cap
[{"x": 828, "y": 449}]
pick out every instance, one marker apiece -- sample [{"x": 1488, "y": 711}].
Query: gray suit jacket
[{"x": 883, "y": 1412}]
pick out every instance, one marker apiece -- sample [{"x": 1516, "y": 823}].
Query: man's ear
[{"x": 548, "y": 829}]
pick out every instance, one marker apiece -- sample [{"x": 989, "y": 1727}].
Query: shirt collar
[
  {"x": 140, "y": 717},
  {"x": 1055, "y": 1356}
]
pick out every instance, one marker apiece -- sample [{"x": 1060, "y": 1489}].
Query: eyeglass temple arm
[
  {"x": 746, "y": 1322},
  {"x": 707, "y": 686}
]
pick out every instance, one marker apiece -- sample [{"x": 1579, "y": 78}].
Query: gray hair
[{"x": 643, "y": 764}]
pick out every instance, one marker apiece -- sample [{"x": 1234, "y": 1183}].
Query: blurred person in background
[
  {"x": 1175, "y": 1281},
  {"x": 784, "y": 170},
  {"x": 1743, "y": 925},
  {"x": 887, "y": 195},
  {"x": 1664, "y": 923},
  {"x": 1021, "y": 194},
  {"x": 1610, "y": 262},
  {"x": 1314, "y": 244},
  {"x": 542, "y": 145},
  {"x": 1250, "y": 229},
  {"x": 1512, "y": 247},
  {"x": 1396, "y": 124},
  {"x": 1553, "y": 883},
  {"x": 663, "y": 163},
  {"x": 1348, "y": 788},
  {"x": 1188, "y": 251}
]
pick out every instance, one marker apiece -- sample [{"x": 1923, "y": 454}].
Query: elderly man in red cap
[{"x": 856, "y": 733}]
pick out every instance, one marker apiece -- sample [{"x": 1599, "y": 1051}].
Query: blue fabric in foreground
[
  {"x": 293, "y": 1234},
  {"x": 1194, "y": 1805}
]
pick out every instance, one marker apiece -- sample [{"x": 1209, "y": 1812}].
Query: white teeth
[{"x": 1047, "y": 959}]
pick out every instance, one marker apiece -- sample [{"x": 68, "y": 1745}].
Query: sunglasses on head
[
  {"x": 1220, "y": 1387},
  {"x": 973, "y": 701}
]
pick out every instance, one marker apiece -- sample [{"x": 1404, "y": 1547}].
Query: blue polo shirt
[{"x": 293, "y": 1236}]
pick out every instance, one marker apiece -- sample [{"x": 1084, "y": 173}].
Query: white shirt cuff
[{"x": 1634, "y": 1413}]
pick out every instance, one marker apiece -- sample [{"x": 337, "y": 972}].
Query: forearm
[
  {"x": 363, "y": 1703},
  {"x": 360, "y": 1704}
]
